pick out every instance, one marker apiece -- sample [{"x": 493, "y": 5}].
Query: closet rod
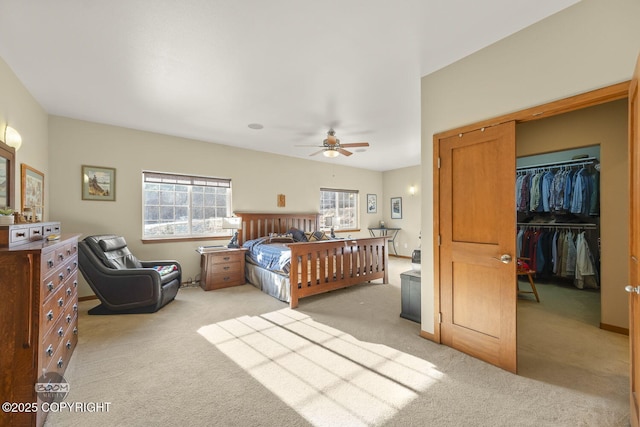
[
  {"x": 557, "y": 224},
  {"x": 586, "y": 161}
]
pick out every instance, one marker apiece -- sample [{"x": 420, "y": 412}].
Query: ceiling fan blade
[
  {"x": 317, "y": 152},
  {"x": 344, "y": 152},
  {"x": 356, "y": 144}
]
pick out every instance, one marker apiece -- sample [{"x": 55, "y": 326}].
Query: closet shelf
[
  {"x": 576, "y": 162},
  {"x": 557, "y": 224}
]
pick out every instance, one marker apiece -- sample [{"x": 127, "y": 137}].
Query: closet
[
  {"x": 558, "y": 211},
  {"x": 560, "y": 143}
]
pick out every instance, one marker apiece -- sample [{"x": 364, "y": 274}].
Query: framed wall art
[
  {"x": 372, "y": 203},
  {"x": 32, "y": 186},
  {"x": 396, "y": 208},
  {"x": 98, "y": 183}
]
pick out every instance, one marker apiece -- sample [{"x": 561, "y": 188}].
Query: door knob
[
  {"x": 505, "y": 258},
  {"x": 632, "y": 289}
]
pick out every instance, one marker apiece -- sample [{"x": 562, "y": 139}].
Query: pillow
[
  {"x": 316, "y": 235},
  {"x": 281, "y": 238},
  {"x": 165, "y": 269},
  {"x": 298, "y": 235}
]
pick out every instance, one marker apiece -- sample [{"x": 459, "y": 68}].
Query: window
[
  {"x": 183, "y": 206},
  {"x": 339, "y": 209}
]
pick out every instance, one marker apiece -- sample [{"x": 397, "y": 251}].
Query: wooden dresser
[
  {"x": 222, "y": 268},
  {"x": 38, "y": 318}
]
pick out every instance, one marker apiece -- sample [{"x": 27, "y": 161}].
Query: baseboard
[
  {"x": 616, "y": 329},
  {"x": 87, "y": 298}
]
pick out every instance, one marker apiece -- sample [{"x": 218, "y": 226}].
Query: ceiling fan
[{"x": 331, "y": 146}]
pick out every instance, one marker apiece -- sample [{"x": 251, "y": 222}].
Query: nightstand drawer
[
  {"x": 225, "y": 257},
  {"x": 227, "y": 268},
  {"x": 225, "y": 280}
]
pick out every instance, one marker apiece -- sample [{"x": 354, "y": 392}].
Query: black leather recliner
[{"x": 123, "y": 283}]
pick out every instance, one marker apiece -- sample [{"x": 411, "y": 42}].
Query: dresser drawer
[
  {"x": 61, "y": 354},
  {"x": 18, "y": 235},
  {"x": 63, "y": 273}
]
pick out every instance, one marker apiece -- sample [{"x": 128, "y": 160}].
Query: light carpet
[{"x": 237, "y": 357}]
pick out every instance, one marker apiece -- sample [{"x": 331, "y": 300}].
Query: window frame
[
  {"x": 356, "y": 208},
  {"x": 190, "y": 181}
]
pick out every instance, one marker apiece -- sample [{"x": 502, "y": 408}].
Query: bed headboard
[{"x": 259, "y": 224}]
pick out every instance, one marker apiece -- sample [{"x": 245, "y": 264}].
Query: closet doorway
[
  {"x": 614, "y": 301},
  {"x": 571, "y": 311}
]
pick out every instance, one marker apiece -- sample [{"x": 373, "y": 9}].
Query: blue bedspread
[{"x": 272, "y": 256}]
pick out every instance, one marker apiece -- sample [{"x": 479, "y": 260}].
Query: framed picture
[
  {"x": 32, "y": 185},
  {"x": 396, "y": 207},
  {"x": 372, "y": 203},
  {"x": 98, "y": 183}
]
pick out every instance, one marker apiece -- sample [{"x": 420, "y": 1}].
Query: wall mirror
[{"x": 7, "y": 175}]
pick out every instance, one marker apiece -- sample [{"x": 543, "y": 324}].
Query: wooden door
[
  {"x": 477, "y": 244},
  {"x": 634, "y": 247}
]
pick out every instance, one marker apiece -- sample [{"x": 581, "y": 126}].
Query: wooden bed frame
[{"x": 332, "y": 264}]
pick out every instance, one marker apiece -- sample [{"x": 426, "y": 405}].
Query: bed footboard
[{"x": 323, "y": 266}]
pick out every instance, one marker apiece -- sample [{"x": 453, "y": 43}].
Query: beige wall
[
  {"x": 256, "y": 179},
  {"x": 604, "y": 125},
  {"x": 589, "y": 45},
  {"x": 20, "y": 110},
  {"x": 396, "y": 183}
]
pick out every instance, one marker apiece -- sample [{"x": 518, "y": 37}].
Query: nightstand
[{"x": 222, "y": 268}]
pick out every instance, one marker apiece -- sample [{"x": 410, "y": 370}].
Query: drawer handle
[
  {"x": 50, "y": 286},
  {"x": 48, "y": 230},
  {"x": 61, "y": 302},
  {"x": 75, "y": 330},
  {"x": 50, "y": 263},
  {"x": 68, "y": 251},
  {"x": 50, "y": 315},
  {"x": 68, "y": 318},
  {"x": 75, "y": 307},
  {"x": 69, "y": 291},
  {"x": 60, "y": 332},
  {"x": 36, "y": 231},
  {"x": 60, "y": 363},
  {"x": 75, "y": 264},
  {"x": 75, "y": 283},
  {"x": 61, "y": 276},
  {"x": 20, "y": 234},
  {"x": 227, "y": 258},
  {"x": 226, "y": 278},
  {"x": 226, "y": 267},
  {"x": 61, "y": 256},
  {"x": 68, "y": 345},
  {"x": 69, "y": 269},
  {"x": 49, "y": 350}
]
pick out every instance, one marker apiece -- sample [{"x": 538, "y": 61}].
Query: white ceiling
[{"x": 205, "y": 69}]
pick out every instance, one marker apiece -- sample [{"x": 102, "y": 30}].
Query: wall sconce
[
  {"x": 12, "y": 138},
  {"x": 412, "y": 190}
]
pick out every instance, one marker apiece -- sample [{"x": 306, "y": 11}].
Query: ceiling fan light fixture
[{"x": 330, "y": 152}]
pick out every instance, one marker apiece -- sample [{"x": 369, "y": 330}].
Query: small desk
[{"x": 386, "y": 232}]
